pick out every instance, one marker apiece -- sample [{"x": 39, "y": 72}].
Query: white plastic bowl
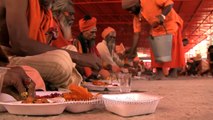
[
  {"x": 131, "y": 104},
  {"x": 5, "y": 98},
  {"x": 82, "y": 106},
  {"x": 19, "y": 108}
]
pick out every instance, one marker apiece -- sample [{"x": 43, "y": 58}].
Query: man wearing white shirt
[{"x": 106, "y": 48}]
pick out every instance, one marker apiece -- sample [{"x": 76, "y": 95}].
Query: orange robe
[
  {"x": 173, "y": 23},
  {"x": 88, "y": 71},
  {"x": 77, "y": 44},
  {"x": 60, "y": 41},
  {"x": 39, "y": 21}
]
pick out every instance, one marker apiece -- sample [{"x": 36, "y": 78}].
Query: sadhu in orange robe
[
  {"x": 40, "y": 21},
  {"x": 173, "y": 23}
]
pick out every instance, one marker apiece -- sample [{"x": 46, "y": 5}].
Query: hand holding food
[{"x": 18, "y": 84}]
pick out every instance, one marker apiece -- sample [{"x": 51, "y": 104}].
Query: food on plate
[
  {"x": 78, "y": 93},
  {"x": 35, "y": 100},
  {"x": 99, "y": 83},
  {"x": 52, "y": 95},
  {"x": 115, "y": 84},
  {"x": 41, "y": 99}
]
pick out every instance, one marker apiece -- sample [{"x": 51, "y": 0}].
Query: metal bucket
[{"x": 161, "y": 47}]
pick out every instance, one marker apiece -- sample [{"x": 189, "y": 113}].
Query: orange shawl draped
[
  {"x": 39, "y": 21},
  {"x": 60, "y": 41}
]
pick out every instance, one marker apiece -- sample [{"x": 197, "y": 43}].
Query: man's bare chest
[
  {"x": 3, "y": 29},
  {"x": 2, "y": 10}
]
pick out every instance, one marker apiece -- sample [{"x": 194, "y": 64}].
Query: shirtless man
[{"x": 54, "y": 65}]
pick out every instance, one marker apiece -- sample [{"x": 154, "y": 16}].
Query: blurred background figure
[
  {"x": 163, "y": 17},
  {"x": 106, "y": 48},
  {"x": 210, "y": 58},
  {"x": 85, "y": 43}
]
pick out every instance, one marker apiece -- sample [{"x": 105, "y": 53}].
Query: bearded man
[
  {"x": 106, "y": 48},
  {"x": 63, "y": 14},
  {"x": 85, "y": 43}
]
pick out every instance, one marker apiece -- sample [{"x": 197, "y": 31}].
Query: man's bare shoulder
[
  {"x": 1, "y": 3},
  {"x": 14, "y": 4},
  {"x": 2, "y": 12}
]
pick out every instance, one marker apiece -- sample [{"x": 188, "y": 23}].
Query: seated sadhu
[
  {"x": 23, "y": 34},
  {"x": 106, "y": 49},
  {"x": 85, "y": 43},
  {"x": 63, "y": 18}
]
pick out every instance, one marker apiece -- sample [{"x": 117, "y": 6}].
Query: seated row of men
[{"x": 36, "y": 38}]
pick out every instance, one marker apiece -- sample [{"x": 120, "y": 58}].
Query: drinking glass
[{"x": 124, "y": 82}]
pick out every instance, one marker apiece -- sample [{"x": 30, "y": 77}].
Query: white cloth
[
  {"x": 55, "y": 67},
  {"x": 70, "y": 47},
  {"x": 106, "y": 56}
]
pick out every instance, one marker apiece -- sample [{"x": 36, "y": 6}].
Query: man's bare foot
[
  {"x": 173, "y": 73},
  {"x": 156, "y": 77}
]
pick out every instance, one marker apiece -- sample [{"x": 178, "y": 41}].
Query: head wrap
[
  {"x": 87, "y": 23},
  {"x": 129, "y": 3},
  {"x": 107, "y": 31}
]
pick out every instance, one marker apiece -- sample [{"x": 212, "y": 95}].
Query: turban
[
  {"x": 107, "y": 31},
  {"x": 129, "y": 3},
  {"x": 87, "y": 23}
]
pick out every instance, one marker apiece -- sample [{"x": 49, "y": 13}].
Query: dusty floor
[{"x": 184, "y": 99}]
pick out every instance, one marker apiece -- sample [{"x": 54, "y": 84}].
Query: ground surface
[{"x": 184, "y": 99}]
